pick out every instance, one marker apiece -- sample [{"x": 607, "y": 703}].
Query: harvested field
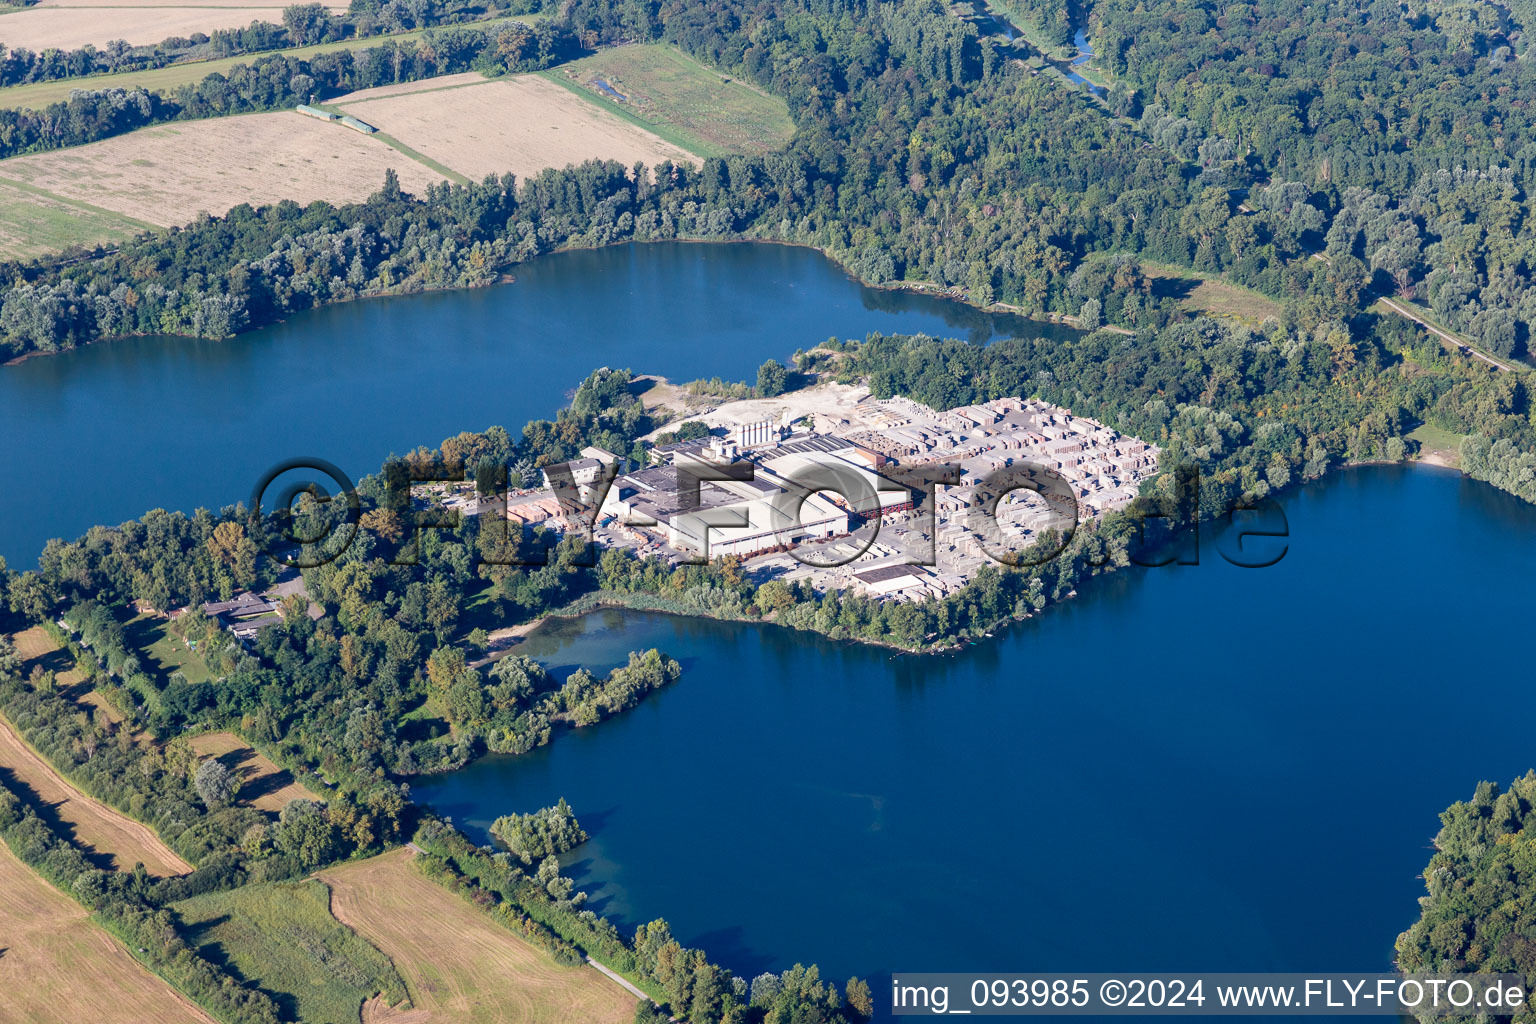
[
  {"x": 33, "y": 643},
  {"x": 520, "y": 125},
  {"x": 117, "y": 840},
  {"x": 166, "y": 174},
  {"x": 62, "y": 24},
  {"x": 404, "y": 88},
  {"x": 683, "y": 101},
  {"x": 460, "y": 965},
  {"x": 39, "y": 94},
  {"x": 59, "y": 967},
  {"x": 37, "y": 649},
  {"x": 34, "y": 223},
  {"x": 263, "y": 785}
]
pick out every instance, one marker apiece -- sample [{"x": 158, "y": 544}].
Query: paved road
[
  {"x": 1450, "y": 339},
  {"x": 1432, "y": 329}
]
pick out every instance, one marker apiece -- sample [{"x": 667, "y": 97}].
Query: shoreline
[
  {"x": 598, "y": 601},
  {"x": 507, "y": 276}
]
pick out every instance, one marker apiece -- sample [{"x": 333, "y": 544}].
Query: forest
[
  {"x": 921, "y": 155},
  {"x": 1480, "y": 912}
]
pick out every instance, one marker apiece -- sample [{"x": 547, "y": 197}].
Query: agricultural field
[
  {"x": 263, "y": 785},
  {"x": 59, "y": 967},
  {"x": 71, "y": 24},
  {"x": 166, "y": 174},
  {"x": 33, "y": 223},
  {"x": 39, "y": 94},
  {"x": 282, "y": 938},
  {"x": 115, "y": 840},
  {"x": 686, "y": 103},
  {"x": 519, "y": 125},
  {"x": 460, "y": 966}
]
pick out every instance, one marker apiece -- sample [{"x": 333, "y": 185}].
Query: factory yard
[
  {"x": 71, "y": 24},
  {"x": 520, "y": 125},
  {"x": 824, "y": 485},
  {"x": 912, "y": 553}
]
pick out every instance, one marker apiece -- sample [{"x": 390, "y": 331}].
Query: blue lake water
[
  {"x": 1187, "y": 768},
  {"x": 107, "y": 432}
]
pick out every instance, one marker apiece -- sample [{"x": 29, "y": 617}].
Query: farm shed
[{"x": 316, "y": 112}]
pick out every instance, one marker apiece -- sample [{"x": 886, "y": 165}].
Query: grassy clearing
[
  {"x": 38, "y": 649},
  {"x": 163, "y": 651},
  {"x": 1436, "y": 445},
  {"x": 690, "y": 105},
  {"x": 116, "y": 841},
  {"x": 460, "y": 966},
  {"x": 283, "y": 939},
  {"x": 263, "y": 785},
  {"x": 59, "y": 967},
  {"x": 1211, "y": 294}
]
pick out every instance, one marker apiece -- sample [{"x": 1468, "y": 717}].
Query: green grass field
[
  {"x": 283, "y": 938},
  {"x": 1435, "y": 439},
  {"x": 41, "y": 94},
  {"x": 34, "y": 222},
  {"x": 681, "y": 100},
  {"x": 163, "y": 652}
]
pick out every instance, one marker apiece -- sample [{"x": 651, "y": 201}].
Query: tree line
[
  {"x": 277, "y": 81},
  {"x": 302, "y": 25},
  {"x": 687, "y": 984}
]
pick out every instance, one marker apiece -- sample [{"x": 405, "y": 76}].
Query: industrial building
[{"x": 785, "y": 491}]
